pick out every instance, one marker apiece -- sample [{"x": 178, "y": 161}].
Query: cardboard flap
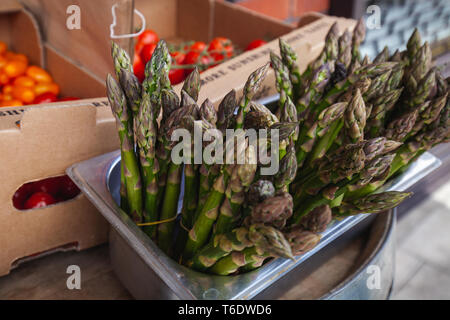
[
  {"x": 55, "y": 119},
  {"x": 195, "y": 19},
  {"x": 90, "y": 45},
  {"x": 243, "y": 25},
  {"x": 20, "y": 31}
]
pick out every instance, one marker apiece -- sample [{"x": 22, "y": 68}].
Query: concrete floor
[{"x": 423, "y": 249}]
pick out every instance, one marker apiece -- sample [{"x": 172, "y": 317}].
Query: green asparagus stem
[
  {"x": 251, "y": 87},
  {"x": 373, "y": 203},
  {"x": 267, "y": 241},
  {"x": 132, "y": 175}
]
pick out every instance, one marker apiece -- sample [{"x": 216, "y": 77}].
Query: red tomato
[
  {"x": 39, "y": 200},
  {"x": 138, "y": 47},
  {"x": 255, "y": 44},
  {"x": 148, "y": 37},
  {"x": 51, "y": 186},
  {"x": 45, "y": 98},
  {"x": 177, "y": 57},
  {"x": 176, "y": 76},
  {"x": 68, "y": 189},
  {"x": 68, "y": 99},
  {"x": 138, "y": 67},
  {"x": 220, "y": 47},
  {"x": 198, "y": 46},
  {"x": 195, "y": 58},
  {"x": 147, "y": 52}
]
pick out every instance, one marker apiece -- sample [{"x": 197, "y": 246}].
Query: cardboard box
[
  {"x": 307, "y": 41},
  {"x": 48, "y": 140},
  {"x": 89, "y": 46},
  {"x": 202, "y": 20}
]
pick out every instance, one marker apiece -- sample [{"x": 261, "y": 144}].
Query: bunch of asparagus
[
  {"x": 345, "y": 126},
  {"x": 361, "y": 123}
]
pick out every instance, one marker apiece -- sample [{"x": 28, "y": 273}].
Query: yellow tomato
[
  {"x": 3, "y": 62},
  {"x": 43, "y": 87},
  {"x": 24, "y": 81},
  {"x": 4, "y": 79},
  {"x": 24, "y": 94},
  {"x": 38, "y": 74},
  {"x": 7, "y": 89},
  {"x": 11, "y": 103},
  {"x": 15, "y": 68},
  {"x": 7, "y": 97}
]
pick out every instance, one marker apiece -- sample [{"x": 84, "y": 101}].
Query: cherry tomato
[
  {"x": 68, "y": 189},
  {"x": 24, "y": 94},
  {"x": 195, "y": 58},
  {"x": 138, "y": 67},
  {"x": 24, "y": 81},
  {"x": 3, "y": 61},
  {"x": 43, "y": 87},
  {"x": 176, "y": 75},
  {"x": 147, "y": 52},
  {"x": 138, "y": 47},
  {"x": 11, "y": 103},
  {"x": 15, "y": 68},
  {"x": 255, "y": 44},
  {"x": 148, "y": 37},
  {"x": 46, "y": 97},
  {"x": 19, "y": 57},
  {"x": 7, "y": 97},
  {"x": 39, "y": 200},
  {"x": 177, "y": 57},
  {"x": 7, "y": 89},
  {"x": 4, "y": 79},
  {"x": 220, "y": 47},
  {"x": 38, "y": 74},
  {"x": 68, "y": 99},
  {"x": 198, "y": 46}
]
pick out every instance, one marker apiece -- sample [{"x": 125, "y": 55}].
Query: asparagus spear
[
  {"x": 132, "y": 88},
  {"x": 359, "y": 34},
  {"x": 372, "y": 170},
  {"x": 132, "y": 175},
  {"x": 289, "y": 58},
  {"x": 259, "y": 191},
  {"x": 251, "y": 87},
  {"x": 226, "y": 110},
  {"x": 221, "y": 246},
  {"x": 301, "y": 240},
  {"x": 145, "y": 136},
  {"x": 268, "y": 242},
  {"x": 282, "y": 80},
  {"x": 373, "y": 203},
  {"x": 318, "y": 219},
  {"x": 241, "y": 178},
  {"x": 273, "y": 211},
  {"x": 121, "y": 59}
]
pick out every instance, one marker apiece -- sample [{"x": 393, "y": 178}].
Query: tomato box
[
  {"x": 41, "y": 141},
  {"x": 203, "y": 20},
  {"x": 306, "y": 39}
]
